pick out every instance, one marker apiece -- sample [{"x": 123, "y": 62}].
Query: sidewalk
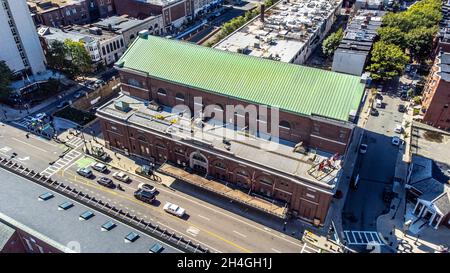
[
  {"x": 12, "y": 114},
  {"x": 337, "y": 205},
  {"x": 293, "y": 228}
]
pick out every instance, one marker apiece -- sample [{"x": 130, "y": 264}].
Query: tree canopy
[
  {"x": 70, "y": 57},
  {"x": 387, "y": 62},
  {"x": 414, "y": 28},
  {"x": 5, "y": 80},
  {"x": 331, "y": 43}
]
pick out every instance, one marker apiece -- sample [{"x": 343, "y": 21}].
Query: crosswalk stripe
[{"x": 355, "y": 237}]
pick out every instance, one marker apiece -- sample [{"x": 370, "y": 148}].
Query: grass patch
[{"x": 75, "y": 115}]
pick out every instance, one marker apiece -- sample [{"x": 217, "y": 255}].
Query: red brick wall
[
  {"x": 301, "y": 126},
  {"x": 307, "y": 203},
  {"x": 136, "y": 9},
  {"x": 437, "y": 103}
]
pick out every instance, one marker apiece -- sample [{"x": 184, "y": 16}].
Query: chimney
[{"x": 261, "y": 17}]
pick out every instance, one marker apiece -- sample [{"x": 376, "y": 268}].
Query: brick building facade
[
  {"x": 436, "y": 97},
  {"x": 281, "y": 175},
  {"x": 174, "y": 12}
]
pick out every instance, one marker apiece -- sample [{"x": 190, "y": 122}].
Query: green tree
[
  {"x": 331, "y": 43},
  {"x": 57, "y": 55},
  {"x": 5, "y": 80},
  {"x": 387, "y": 61},
  {"x": 79, "y": 58},
  {"x": 419, "y": 41},
  {"x": 392, "y": 35}
]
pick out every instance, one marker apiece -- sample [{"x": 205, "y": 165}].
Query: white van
[{"x": 379, "y": 104}]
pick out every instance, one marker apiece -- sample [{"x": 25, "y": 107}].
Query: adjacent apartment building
[
  {"x": 294, "y": 165},
  {"x": 130, "y": 27},
  {"x": 436, "y": 95},
  {"x": 174, "y": 12},
  {"x": 20, "y": 49},
  {"x": 57, "y": 13},
  {"x": 103, "y": 46},
  {"x": 354, "y": 50},
  {"x": 289, "y": 31}
]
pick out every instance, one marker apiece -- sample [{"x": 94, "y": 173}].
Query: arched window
[
  {"x": 266, "y": 180},
  {"x": 199, "y": 157},
  {"x": 143, "y": 139},
  {"x": 131, "y": 36},
  {"x": 285, "y": 125},
  {"x": 162, "y": 92},
  {"x": 150, "y": 28},
  {"x": 156, "y": 25},
  {"x": 179, "y": 96},
  {"x": 134, "y": 82},
  {"x": 242, "y": 172},
  {"x": 220, "y": 165}
]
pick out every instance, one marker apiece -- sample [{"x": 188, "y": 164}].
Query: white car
[
  {"x": 398, "y": 129},
  {"x": 396, "y": 140},
  {"x": 147, "y": 187},
  {"x": 121, "y": 176},
  {"x": 100, "y": 167},
  {"x": 174, "y": 209}
]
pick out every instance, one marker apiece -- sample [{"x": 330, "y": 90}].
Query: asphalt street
[
  {"x": 219, "y": 227},
  {"x": 375, "y": 168}
]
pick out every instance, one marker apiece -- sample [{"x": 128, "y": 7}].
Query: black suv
[
  {"x": 401, "y": 108},
  {"x": 105, "y": 181},
  {"x": 144, "y": 196}
]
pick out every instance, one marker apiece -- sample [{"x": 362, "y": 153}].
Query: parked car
[
  {"x": 79, "y": 94},
  {"x": 147, "y": 187},
  {"x": 100, "y": 167},
  {"x": 144, "y": 196},
  {"x": 398, "y": 129},
  {"x": 121, "y": 176},
  {"x": 174, "y": 209},
  {"x": 374, "y": 112},
  {"x": 401, "y": 108},
  {"x": 86, "y": 172},
  {"x": 396, "y": 140},
  {"x": 404, "y": 96},
  {"x": 363, "y": 148},
  {"x": 378, "y": 103},
  {"x": 105, "y": 181}
]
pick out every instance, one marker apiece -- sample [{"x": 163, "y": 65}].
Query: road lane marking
[
  {"x": 88, "y": 183},
  {"x": 252, "y": 225},
  {"x": 201, "y": 216},
  {"x": 275, "y": 250},
  {"x": 28, "y": 144},
  {"x": 240, "y": 234},
  {"x": 193, "y": 231},
  {"x": 76, "y": 201}
]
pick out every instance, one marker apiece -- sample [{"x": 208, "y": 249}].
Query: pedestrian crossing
[
  {"x": 309, "y": 249},
  {"x": 354, "y": 237},
  {"x": 61, "y": 163},
  {"x": 23, "y": 122},
  {"x": 75, "y": 142}
]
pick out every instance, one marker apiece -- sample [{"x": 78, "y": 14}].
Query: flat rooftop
[
  {"x": 20, "y": 206},
  {"x": 361, "y": 31},
  {"x": 431, "y": 143},
  {"x": 49, "y": 5},
  {"x": 288, "y": 27},
  {"x": 444, "y": 66},
  {"x": 250, "y": 149},
  {"x": 120, "y": 24},
  {"x": 75, "y": 33},
  {"x": 293, "y": 88}
]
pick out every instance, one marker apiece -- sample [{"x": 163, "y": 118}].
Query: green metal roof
[{"x": 291, "y": 87}]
